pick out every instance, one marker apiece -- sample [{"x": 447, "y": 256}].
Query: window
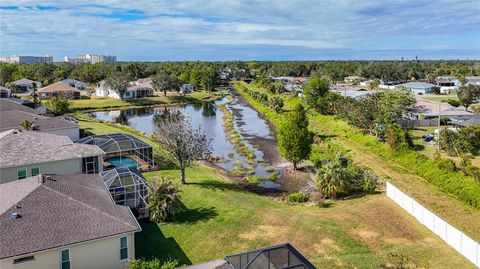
[
  {"x": 35, "y": 171},
  {"x": 90, "y": 165},
  {"x": 123, "y": 248},
  {"x": 23, "y": 259},
  {"x": 65, "y": 259},
  {"x": 22, "y": 173}
]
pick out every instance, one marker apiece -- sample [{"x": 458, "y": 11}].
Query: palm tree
[
  {"x": 332, "y": 179},
  {"x": 163, "y": 199},
  {"x": 26, "y": 125}
]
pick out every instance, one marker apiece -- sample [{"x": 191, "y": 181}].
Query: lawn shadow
[
  {"x": 217, "y": 185},
  {"x": 151, "y": 243},
  {"x": 192, "y": 215}
]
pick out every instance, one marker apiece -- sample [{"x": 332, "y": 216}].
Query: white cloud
[{"x": 160, "y": 26}]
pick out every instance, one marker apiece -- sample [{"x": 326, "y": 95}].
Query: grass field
[
  {"x": 171, "y": 98},
  {"x": 441, "y": 98},
  {"x": 222, "y": 218},
  {"x": 367, "y": 152}
]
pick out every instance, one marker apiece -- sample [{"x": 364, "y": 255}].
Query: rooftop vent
[{"x": 16, "y": 215}]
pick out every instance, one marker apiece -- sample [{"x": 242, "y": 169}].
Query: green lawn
[
  {"x": 171, "y": 98},
  {"x": 221, "y": 218},
  {"x": 441, "y": 98},
  {"x": 408, "y": 171}
]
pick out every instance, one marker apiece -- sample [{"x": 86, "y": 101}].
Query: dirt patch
[{"x": 328, "y": 249}]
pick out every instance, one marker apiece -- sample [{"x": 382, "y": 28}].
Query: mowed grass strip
[{"x": 221, "y": 219}]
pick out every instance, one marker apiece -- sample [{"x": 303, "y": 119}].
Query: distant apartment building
[
  {"x": 91, "y": 59},
  {"x": 26, "y": 59}
]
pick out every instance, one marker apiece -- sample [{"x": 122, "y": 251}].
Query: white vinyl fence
[{"x": 451, "y": 235}]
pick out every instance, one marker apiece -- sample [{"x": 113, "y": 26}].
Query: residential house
[
  {"x": 25, "y": 84},
  {"x": 447, "y": 84},
  {"x": 432, "y": 109},
  {"x": 139, "y": 89},
  {"x": 5, "y": 92},
  {"x": 59, "y": 89},
  {"x": 474, "y": 80},
  {"x": 9, "y": 104},
  {"x": 292, "y": 83},
  {"x": 77, "y": 84},
  {"x": 64, "y": 221},
  {"x": 283, "y": 256},
  {"x": 354, "y": 79},
  {"x": 417, "y": 87},
  {"x": 11, "y": 119},
  {"x": 27, "y": 153},
  {"x": 187, "y": 88}
]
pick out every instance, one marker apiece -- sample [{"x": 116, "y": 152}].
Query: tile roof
[
  {"x": 9, "y": 104},
  {"x": 12, "y": 119},
  {"x": 25, "y": 147},
  {"x": 58, "y": 87},
  {"x": 58, "y": 212}
]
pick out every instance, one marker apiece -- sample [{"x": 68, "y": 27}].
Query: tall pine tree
[{"x": 294, "y": 139}]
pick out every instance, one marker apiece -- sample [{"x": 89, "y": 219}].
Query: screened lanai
[
  {"x": 122, "y": 145},
  {"x": 128, "y": 187},
  {"x": 276, "y": 257}
]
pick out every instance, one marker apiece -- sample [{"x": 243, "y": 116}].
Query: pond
[{"x": 250, "y": 126}]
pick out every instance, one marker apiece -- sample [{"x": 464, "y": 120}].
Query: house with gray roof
[
  {"x": 79, "y": 85},
  {"x": 5, "y": 92},
  {"x": 28, "y": 153},
  {"x": 9, "y": 104},
  {"x": 417, "y": 87},
  {"x": 25, "y": 84},
  {"x": 12, "y": 119},
  {"x": 64, "y": 221}
]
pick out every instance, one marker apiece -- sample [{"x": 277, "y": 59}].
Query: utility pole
[{"x": 439, "y": 119}]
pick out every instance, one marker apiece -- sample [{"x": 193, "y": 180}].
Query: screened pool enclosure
[
  {"x": 128, "y": 187},
  {"x": 118, "y": 145},
  {"x": 276, "y": 257}
]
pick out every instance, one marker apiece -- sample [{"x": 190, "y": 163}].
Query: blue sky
[{"x": 242, "y": 30}]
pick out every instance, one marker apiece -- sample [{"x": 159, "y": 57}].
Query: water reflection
[{"x": 210, "y": 119}]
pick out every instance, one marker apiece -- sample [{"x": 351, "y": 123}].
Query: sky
[{"x": 221, "y": 30}]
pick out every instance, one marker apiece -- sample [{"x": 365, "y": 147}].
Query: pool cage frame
[
  {"x": 119, "y": 144},
  {"x": 283, "y": 256},
  {"x": 127, "y": 187}
]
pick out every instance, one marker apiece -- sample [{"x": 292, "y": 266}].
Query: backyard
[
  {"x": 159, "y": 99},
  {"x": 221, "y": 218}
]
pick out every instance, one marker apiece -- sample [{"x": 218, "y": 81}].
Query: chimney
[{"x": 16, "y": 215}]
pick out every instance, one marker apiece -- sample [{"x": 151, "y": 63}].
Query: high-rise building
[
  {"x": 92, "y": 59},
  {"x": 26, "y": 59}
]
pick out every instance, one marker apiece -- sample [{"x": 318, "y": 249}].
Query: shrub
[
  {"x": 273, "y": 176},
  {"x": 252, "y": 180},
  {"x": 163, "y": 199},
  {"x": 276, "y": 103},
  {"x": 298, "y": 197},
  {"x": 153, "y": 264},
  {"x": 58, "y": 106},
  {"x": 453, "y": 102},
  {"x": 398, "y": 138}
]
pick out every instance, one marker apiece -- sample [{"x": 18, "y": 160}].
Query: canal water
[{"x": 210, "y": 119}]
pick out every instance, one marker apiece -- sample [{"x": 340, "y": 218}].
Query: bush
[
  {"x": 298, "y": 197},
  {"x": 153, "y": 264},
  {"x": 453, "y": 102},
  {"x": 398, "y": 138},
  {"x": 273, "y": 176},
  {"x": 252, "y": 180},
  {"x": 58, "y": 106},
  {"x": 276, "y": 103}
]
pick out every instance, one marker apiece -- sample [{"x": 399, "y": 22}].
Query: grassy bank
[
  {"x": 222, "y": 219},
  {"x": 170, "y": 99},
  {"x": 447, "y": 194}
]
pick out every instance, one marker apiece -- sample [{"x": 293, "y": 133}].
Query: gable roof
[
  {"x": 58, "y": 212},
  {"x": 26, "y": 82},
  {"x": 58, "y": 87},
  {"x": 25, "y": 147},
  {"x": 12, "y": 119},
  {"x": 9, "y": 104}
]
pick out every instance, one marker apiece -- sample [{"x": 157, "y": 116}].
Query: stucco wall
[
  {"x": 72, "y": 166},
  {"x": 101, "y": 254}
]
